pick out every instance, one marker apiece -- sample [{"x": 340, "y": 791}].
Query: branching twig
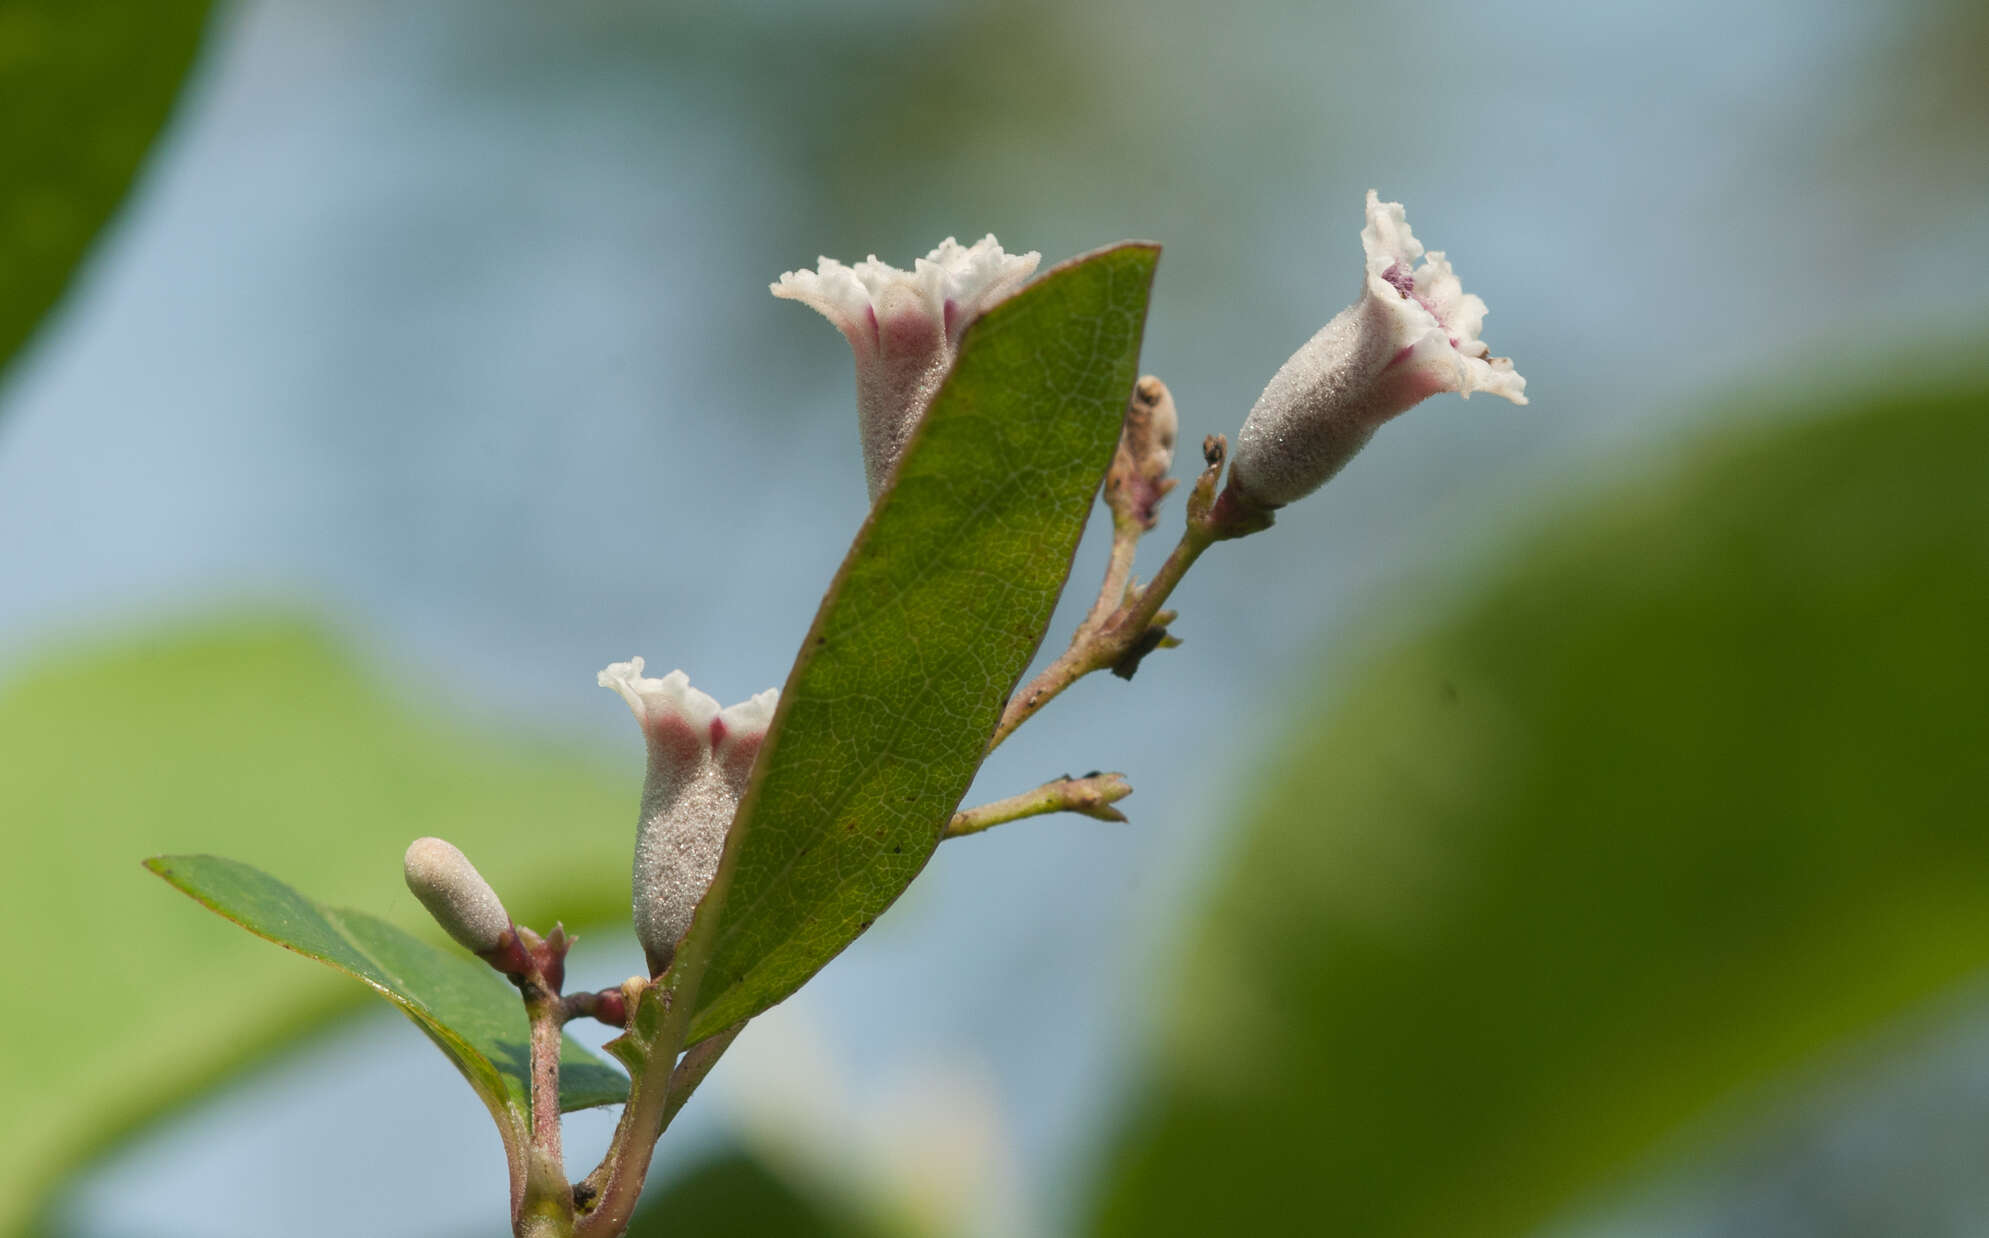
[
  {"x": 609, "y": 1006},
  {"x": 1092, "y": 795},
  {"x": 606, "y": 1198},
  {"x": 1123, "y": 635},
  {"x": 1117, "y": 635},
  {"x": 659, "y": 1017}
]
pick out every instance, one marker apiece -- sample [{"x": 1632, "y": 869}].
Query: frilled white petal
[
  {"x": 951, "y": 286},
  {"x": 1494, "y": 375},
  {"x": 1428, "y": 299},
  {"x": 967, "y": 279},
  {"x": 751, "y": 715},
  {"x": 653, "y": 700},
  {"x": 837, "y": 293},
  {"x": 739, "y": 732},
  {"x": 1387, "y": 237},
  {"x": 1439, "y": 290}
]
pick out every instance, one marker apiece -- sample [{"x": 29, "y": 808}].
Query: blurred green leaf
[
  {"x": 263, "y": 740},
  {"x": 733, "y": 1194},
  {"x": 935, "y": 614},
  {"x": 1692, "y": 791},
  {"x": 86, "y": 86},
  {"x": 471, "y": 1014}
]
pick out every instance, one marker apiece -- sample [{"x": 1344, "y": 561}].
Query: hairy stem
[
  {"x": 1118, "y": 574},
  {"x": 544, "y": 1222},
  {"x": 546, "y": 1017},
  {"x": 1117, "y": 634},
  {"x": 1093, "y": 795},
  {"x": 1098, "y": 647},
  {"x": 546, "y": 1206},
  {"x": 611, "y": 1191}
]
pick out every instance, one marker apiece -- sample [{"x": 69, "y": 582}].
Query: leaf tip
[{"x": 1147, "y": 251}]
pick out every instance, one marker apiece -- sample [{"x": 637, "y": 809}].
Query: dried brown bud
[{"x": 1138, "y": 478}]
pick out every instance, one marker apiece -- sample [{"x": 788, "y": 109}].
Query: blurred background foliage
[
  {"x": 732, "y": 1193},
  {"x": 1692, "y": 790},
  {"x": 87, "y": 84},
  {"x": 1608, "y": 887},
  {"x": 273, "y": 747}
]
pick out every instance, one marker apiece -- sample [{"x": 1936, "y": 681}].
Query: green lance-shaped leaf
[
  {"x": 1691, "y": 793},
  {"x": 471, "y": 1013},
  {"x": 932, "y": 619},
  {"x": 86, "y": 86}
]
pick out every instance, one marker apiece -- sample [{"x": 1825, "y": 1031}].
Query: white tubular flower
[
  {"x": 456, "y": 894},
  {"x": 1413, "y": 333},
  {"x": 699, "y": 760},
  {"x": 904, "y": 327}
]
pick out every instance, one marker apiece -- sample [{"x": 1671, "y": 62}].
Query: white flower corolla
[
  {"x": 699, "y": 759},
  {"x": 1413, "y": 333},
  {"x": 455, "y": 893},
  {"x": 904, "y": 327}
]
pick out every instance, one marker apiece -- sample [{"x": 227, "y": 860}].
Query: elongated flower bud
[
  {"x": 700, "y": 757},
  {"x": 1152, "y": 446},
  {"x": 1413, "y": 333},
  {"x": 1137, "y": 479},
  {"x": 456, "y": 894},
  {"x": 904, "y": 327}
]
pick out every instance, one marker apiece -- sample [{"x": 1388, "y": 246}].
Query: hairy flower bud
[
  {"x": 699, "y": 759},
  {"x": 1413, "y": 333},
  {"x": 904, "y": 327},
  {"x": 1152, "y": 447},
  {"x": 1138, "y": 479},
  {"x": 461, "y": 901}
]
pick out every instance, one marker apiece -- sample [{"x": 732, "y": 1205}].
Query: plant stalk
[
  {"x": 546, "y": 1207},
  {"x": 1097, "y": 647},
  {"x": 1092, "y": 795}
]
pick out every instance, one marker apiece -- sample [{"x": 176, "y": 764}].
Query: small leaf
[
  {"x": 931, "y": 621},
  {"x": 88, "y": 84},
  {"x": 470, "y": 1012},
  {"x": 205, "y": 750}
]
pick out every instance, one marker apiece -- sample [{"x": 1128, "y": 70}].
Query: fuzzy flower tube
[
  {"x": 700, "y": 757},
  {"x": 904, "y": 327},
  {"x": 1413, "y": 333}
]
